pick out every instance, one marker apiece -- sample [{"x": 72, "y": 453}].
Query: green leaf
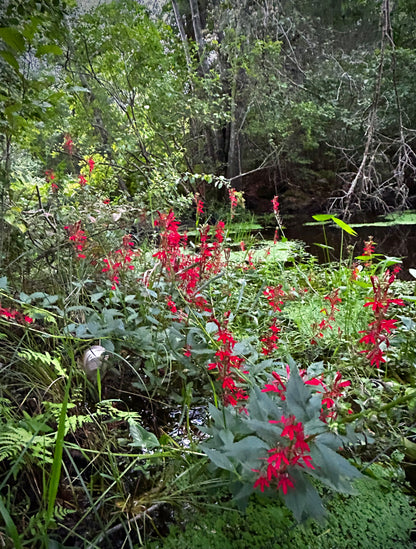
[
  {"x": 218, "y": 459},
  {"x": 332, "y": 469},
  {"x": 304, "y": 501},
  {"x": 10, "y": 59},
  {"x": 261, "y": 407},
  {"x": 322, "y": 217},
  {"x": 297, "y": 394},
  {"x": 30, "y": 28},
  {"x": 142, "y": 438},
  {"x": 217, "y": 416},
  {"x": 344, "y": 226},
  {"x": 10, "y": 525},
  {"x": 10, "y": 109},
  {"x": 323, "y": 246},
  {"x": 367, "y": 257},
  {"x": 3, "y": 283},
  {"x": 49, "y": 48},
  {"x": 247, "y": 449},
  {"x": 413, "y": 272},
  {"x": 13, "y": 38},
  {"x": 328, "y": 217}
]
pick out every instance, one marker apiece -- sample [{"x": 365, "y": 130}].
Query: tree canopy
[{"x": 310, "y": 99}]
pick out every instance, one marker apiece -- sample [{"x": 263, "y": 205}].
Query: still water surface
[{"x": 394, "y": 240}]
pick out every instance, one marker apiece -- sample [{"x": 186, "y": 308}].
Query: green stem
[{"x": 392, "y": 404}]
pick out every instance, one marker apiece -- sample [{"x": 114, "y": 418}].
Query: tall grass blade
[
  {"x": 10, "y": 525},
  {"x": 57, "y": 457}
]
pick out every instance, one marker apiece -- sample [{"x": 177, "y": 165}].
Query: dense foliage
[{"x": 156, "y": 356}]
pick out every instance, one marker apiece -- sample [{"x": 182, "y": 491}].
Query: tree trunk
[
  {"x": 183, "y": 35},
  {"x": 197, "y": 26}
]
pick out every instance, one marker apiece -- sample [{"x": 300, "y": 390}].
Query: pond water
[{"x": 394, "y": 238}]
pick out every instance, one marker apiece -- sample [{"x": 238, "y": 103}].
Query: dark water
[{"x": 395, "y": 241}]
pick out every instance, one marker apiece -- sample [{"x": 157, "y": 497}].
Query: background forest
[
  {"x": 310, "y": 99},
  {"x": 173, "y": 372}
]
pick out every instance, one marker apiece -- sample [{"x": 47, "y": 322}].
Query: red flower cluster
[
  {"x": 82, "y": 180},
  {"x": 229, "y": 368},
  {"x": 325, "y": 323},
  {"x": 91, "y": 163},
  {"x": 273, "y": 295},
  {"x": 172, "y": 305},
  {"x": 380, "y": 329},
  {"x": 270, "y": 341},
  {"x": 78, "y": 237},
  {"x": 284, "y": 456},
  {"x": 276, "y": 204},
  {"x": 50, "y": 176},
  {"x": 15, "y": 315},
  {"x": 369, "y": 247},
  {"x": 199, "y": 207},
  {"x": 330, "y": 393},
  {"x": 68, "y": 144},
  {"x": 277, "y": 385},
  {"x": 120, "y": 260},
  {"x": 232, "y": 193},
  {"x": 188, "y": 270}
]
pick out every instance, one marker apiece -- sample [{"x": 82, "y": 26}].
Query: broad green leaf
[
  {"x": 218, "y": 416},
  {"x": 367, "y": 257},
  {"x": 333, "y": 469},
  {"x": 142, "y": 438},
  {"x": 3, "y": 283},
  {"x": 218, "y": 459},
  {"x": 297, "y": 394},
  {"x": 30, "y": 28},
  {"x": 10, "y": 109},
  {"x": 322, "y": 217},
  {"x": 48, "y": 48},
  {"x": 344, "y": 226},
  {"x": 261, "y": 407},
  {"x": 13, "y": 38},
  {"x": 247, "y": 449},
  {"x": 39, "y": 295},
  {"x": 304, "y": 501}
]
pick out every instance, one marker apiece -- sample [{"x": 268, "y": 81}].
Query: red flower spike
[
  {"x": 275, "y": 203},
  {"x": 68, "y": 144},
  {"x": 82, "y": 180},
  {"x": 77, "y": 237},
  {"x": 286, "y": 455},
  {"x": 381, "y": 328}
]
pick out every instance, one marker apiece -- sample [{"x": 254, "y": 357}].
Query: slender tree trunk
[
  {"x": 196, "y": 23},
  {"x": 4, "y": 192},
  {"x": 184, "y": 38}
]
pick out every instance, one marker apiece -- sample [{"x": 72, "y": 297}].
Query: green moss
[{"x": 374, "y": 519}]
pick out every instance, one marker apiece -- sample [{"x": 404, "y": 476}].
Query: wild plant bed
[{"x": 142, "y": 375}]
